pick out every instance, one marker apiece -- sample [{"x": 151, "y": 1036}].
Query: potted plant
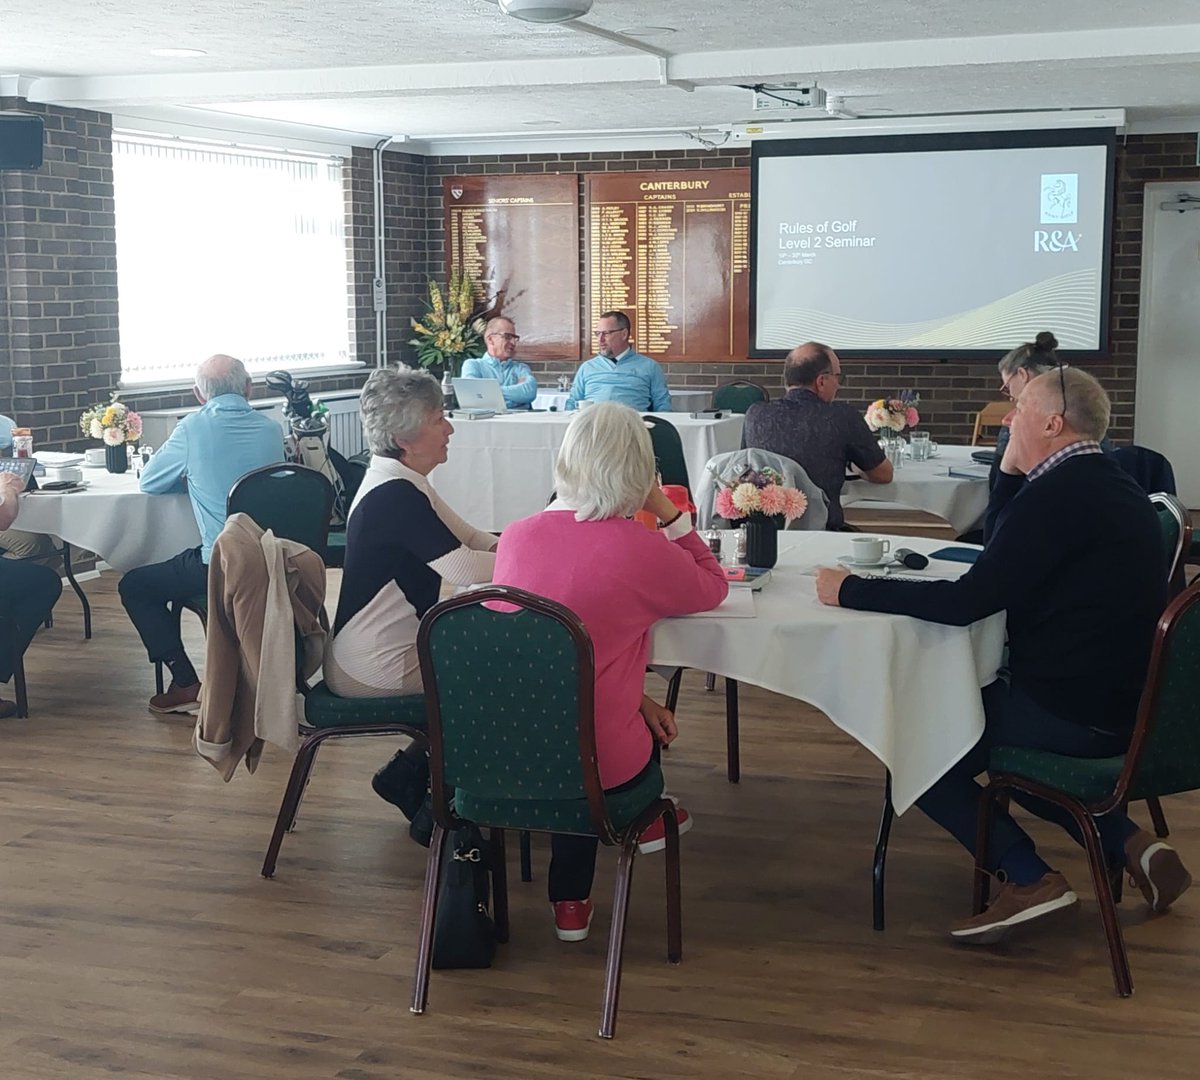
[
  {"x": 451, "y": 330},
  {"x": 116, "y": 424}
]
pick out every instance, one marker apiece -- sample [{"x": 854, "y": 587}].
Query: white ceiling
[{"x": 435, "y": 70}]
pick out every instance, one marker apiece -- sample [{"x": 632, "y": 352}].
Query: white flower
[
  {"x": 97, "y": 430},
  {"x": 113, "y": 436},
  {"x": 745, "y": 498}
]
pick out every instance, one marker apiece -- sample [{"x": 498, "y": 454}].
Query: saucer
[{"x": 850, "y": 564}]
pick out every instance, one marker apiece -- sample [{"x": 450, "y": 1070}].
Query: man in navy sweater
[{"x": 1075, "y": 557}]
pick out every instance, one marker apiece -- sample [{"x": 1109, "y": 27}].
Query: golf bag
[{"x": 308, "y": 441}]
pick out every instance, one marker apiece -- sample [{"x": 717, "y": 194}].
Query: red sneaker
[
  {"x": 654, "y": 838},
  {"x": 572, "y": 918}
]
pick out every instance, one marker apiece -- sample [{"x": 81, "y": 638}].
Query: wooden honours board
[
  {"x": 520, "y": 234},
  {"x": 671, "y": 250}
]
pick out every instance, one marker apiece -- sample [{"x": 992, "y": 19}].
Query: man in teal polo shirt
[
  {"x": 617, "y": 373},
  {"x": 516, "y": 380},
  {"x": 205, "y": 454}
]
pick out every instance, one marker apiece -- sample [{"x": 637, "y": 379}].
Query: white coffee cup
[
  {"x": 94, "y": 455},
  {"x": 868, "y": 549},
  {"x": 584, "y": 403}
]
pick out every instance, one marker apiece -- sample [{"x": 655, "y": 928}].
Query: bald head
[
  {"x": 1077, "y": 397},
  {"x": 808, "y": 361},
  {"x": 221, "y": 374}
]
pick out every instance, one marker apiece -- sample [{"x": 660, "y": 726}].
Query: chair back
[
  {"x": 814, "y": 519},
  {"x": 1164, "y": 753},
  {"x": 293, "y": 501},
  {"x": 737, "y": 396},
  {"x": 990, "y": 416},
  {"x": 509, "y": 692},
  {"x": 1148, "y": 467},
  {"x": 668, "y": 451},
  {"x": 1176, "y": 525}
]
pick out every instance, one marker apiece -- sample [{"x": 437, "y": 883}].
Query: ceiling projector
[{"x": 546, "y": 11}]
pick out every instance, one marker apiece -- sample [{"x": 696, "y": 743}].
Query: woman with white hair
[
  {"x": 585, "y": 552},
  {"x": 402, "y": 542}
]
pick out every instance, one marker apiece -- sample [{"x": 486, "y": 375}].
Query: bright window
[{"x": 225, "y": 250}]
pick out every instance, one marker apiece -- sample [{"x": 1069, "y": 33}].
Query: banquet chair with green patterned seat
[
  {"x": 737, "y": 396},
  {"x": 327, "y": 716},
  {"x": 1176, "y": 525},
  {"x": 1163, "y": 759},
  {"x": 514, "y": 747}
]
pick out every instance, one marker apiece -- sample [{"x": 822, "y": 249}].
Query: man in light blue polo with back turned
[
  {"x": 516, "y": 380},
  {"x": 618, "y": 373},
  {"x": 205, "y": 454}
]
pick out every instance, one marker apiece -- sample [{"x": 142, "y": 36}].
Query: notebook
[{"x": 479, "y": 395}]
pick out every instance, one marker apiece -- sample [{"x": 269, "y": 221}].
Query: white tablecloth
[
  {"x": 684, "y": 401},
  {"x": 125, "y": 527},
  {"x": 927, "y": 485},
  {"x": 907, "y": 690},
  {"x": 502, "y": 469}
]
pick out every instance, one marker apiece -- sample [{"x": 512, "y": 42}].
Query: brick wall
[
  {"x": 60, "y": 276},
  {"x": 951, "y": 393},
  {"x": 58, "y": 303}
]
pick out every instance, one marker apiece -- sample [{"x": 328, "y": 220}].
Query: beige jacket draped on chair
[{"x": 261, "y": 592}]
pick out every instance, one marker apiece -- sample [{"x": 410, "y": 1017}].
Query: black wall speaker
[{"x": 20, "y": 140}]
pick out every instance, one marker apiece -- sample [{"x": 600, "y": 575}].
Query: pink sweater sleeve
[{"x": 682, "y": 576}]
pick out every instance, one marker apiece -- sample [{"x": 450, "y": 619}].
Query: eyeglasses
[
  {"x": 833, "y": 375},
  {"x": 506, "y": 336},
  {"x": 1062, "y": 385},
  {"x": 1004, "y": 386},
  {"x": 609, "y": 333}
]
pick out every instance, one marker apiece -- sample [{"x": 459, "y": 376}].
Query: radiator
[{"x": 345, "y": 420}]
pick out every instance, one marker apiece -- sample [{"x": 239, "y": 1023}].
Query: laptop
[{"x": 479, "y": 396}]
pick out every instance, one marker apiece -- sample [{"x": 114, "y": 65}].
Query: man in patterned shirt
[{"x": 823, "y": 436}]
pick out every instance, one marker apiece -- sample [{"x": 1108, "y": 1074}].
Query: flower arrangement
[
  {"x": 451, "y": 330},
  {"x": 759, "y": 491},
  {"x": 894, "y": 414},
  {"x": 115, "y": 423}
]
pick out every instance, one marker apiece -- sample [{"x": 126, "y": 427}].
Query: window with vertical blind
[{"x": 228, "y": 250}]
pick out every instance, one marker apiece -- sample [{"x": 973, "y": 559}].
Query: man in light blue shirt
[
  {"x": 517, "y": 383},
  {"x": 205, "y": 454},
  {"x": 618, "y": 373}
]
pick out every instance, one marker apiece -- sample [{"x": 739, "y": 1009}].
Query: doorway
[{"x": 1168, "y": 359}]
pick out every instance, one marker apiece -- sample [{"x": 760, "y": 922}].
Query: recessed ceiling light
[
  {"x": 646, "y": 31},
  {"x": 540, "y": 123},
  {"x": 178, "y": 52}
]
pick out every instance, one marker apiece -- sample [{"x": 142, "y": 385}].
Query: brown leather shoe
[
  {"x": 177, "y": 699},
  {"x": 1156, "y": 869},
  {"x": 7, "y": 709},
  {"x": 1013, "y": 905}
]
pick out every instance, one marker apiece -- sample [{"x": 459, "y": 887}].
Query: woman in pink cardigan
[{"x": 620, "y": 579}]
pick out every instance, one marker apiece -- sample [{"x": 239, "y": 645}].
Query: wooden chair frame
[
  {"x": 991, "y": 415},
  {"x": 1107, "y": 890},
  {"x": 446, "y": 819}
]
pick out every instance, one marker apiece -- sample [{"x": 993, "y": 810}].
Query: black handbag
[{"x": 464, "y": 935}]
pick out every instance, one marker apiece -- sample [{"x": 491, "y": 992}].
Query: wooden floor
[{"x": 137, "y": 938}]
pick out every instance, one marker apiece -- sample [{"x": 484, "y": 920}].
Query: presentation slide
[{"x": 936, "y": 251}]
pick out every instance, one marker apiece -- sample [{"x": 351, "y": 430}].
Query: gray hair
[
  {"x": 1088, "y": 408},
  {"x": 221, "y": 374},
  {"x": 605, "y": 466},
  {"x": 1037, "y": 357},
  {"x": 396, "y": 402}
]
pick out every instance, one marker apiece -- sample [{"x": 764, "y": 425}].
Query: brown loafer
[
  {"x": 177, "y": 699},
  {"x": 7, "y": 709},
  {"x": 1013, "y": 905}
]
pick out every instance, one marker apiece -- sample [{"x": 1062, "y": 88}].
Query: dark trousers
[
  {"x": 573, "y": 858},
  {"x": 1012, "y": 719},
  {"x": 146, "y": 591},
  {"x": 28, "y": 593}
]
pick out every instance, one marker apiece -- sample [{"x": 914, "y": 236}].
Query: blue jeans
[{"x": 1013, "y": 719}]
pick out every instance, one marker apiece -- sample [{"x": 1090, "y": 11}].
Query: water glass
[
  {"x": 920, "y": 445},
  {"x": 895, "y": 453}
]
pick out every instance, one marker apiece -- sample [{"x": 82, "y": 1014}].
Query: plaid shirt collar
[{"x": 1084, "y": 446}]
